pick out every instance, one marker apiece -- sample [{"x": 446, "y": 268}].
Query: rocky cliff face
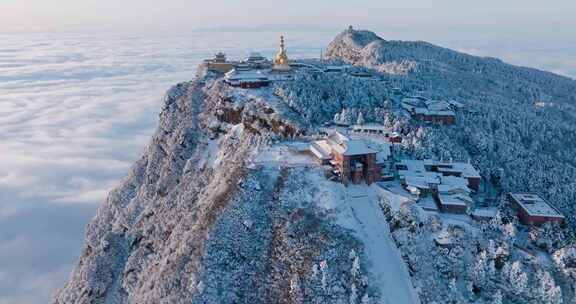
[{"x": 191, "y": 221}]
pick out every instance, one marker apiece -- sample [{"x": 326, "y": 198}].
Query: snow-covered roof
[
  {"x": 413, "y": 190},
  {"x": 407, "y": 107},
  {"x": 484, "y": 212},
  {"x": 336, "y": 68},
  {"x": 453, "y": 184},
  {"x": 422, "y": 111},
  {"x": 428, "y": 107},
  {"x": 437, "y": 105},
  {"x": 535, "y": 205},
  {"x": 412, "y": 101},
  {"x": 450, "y": 189},
  {"x": 251, "y": 75},
  {"x": 456, "y": 104},
  {"x": 299, "y": 146},
  {"x": 371, "y": 127},
  {"x": 454, "y": 199},
  {"x": 428, "y": 203},
  {"x": 321, "y": 149},
  {"x": 441, "y": 113},
  {"x": 354, "y": 147},
  {"x": 465, "y": 169},
  {"x": 421, "y": 180},
  {"x": 413, "y": 165},
  {"x": 418, "y": 173},
  {"x": 242, "y": 67},
  {"x": 255, "y": 56},
  {"x": 338, "y": 137},
  {"x": 425, "y": 111}
]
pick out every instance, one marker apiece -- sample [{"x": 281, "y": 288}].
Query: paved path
[{"x": 387, "y": 267}]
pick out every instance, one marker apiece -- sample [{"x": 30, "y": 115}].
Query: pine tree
[
  {"x": 360, "y": 120},
  {"x": 336, "y": 119},
  {"x": 548, "y": 292},
  {"x": 517, "y": 277}
]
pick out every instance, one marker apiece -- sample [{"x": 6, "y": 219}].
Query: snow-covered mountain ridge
[{"x": 215, "y": 211}]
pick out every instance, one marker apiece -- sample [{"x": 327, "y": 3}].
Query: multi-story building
[{"x": 353, "y": 160}]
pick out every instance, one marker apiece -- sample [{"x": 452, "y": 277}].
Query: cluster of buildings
[
  {"x": 449, "y": 183},
  {"x": 357, "y": 160},
  {"x": 434, "y": 111},
  {"x": 255, "y": 71}
]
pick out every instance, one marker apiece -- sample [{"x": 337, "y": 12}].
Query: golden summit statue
[{"x": 281, "y": 61}]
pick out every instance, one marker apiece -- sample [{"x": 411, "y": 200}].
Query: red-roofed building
[
  {"x": 534, "y": 210},
  {"x": 352, "y": 159}
]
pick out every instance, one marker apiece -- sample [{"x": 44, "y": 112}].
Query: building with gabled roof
[
  {"x": 246, "y": 79},
  {"x": 456, "y": 169},
  {"x": 484, "y": 214},
  {"x": 435, "y": 111},
  {"x": 322, "y": 150},
  {"x": 450, "y": 183},
  {"x": 378, "y": 129},
  {"x": 219, "y": 64},
  {"x": 353, "y": 160},
  {"x": 454, "y": 203}
]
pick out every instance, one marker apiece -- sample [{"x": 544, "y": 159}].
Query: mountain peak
[
  {"x": 227, "y": 204},
  {"x": 349, "y": 43}
]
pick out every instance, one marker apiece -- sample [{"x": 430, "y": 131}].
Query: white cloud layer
[{"x": 75, "y": 112}]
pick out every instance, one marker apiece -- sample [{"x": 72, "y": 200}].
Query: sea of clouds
[{"x": 76, "y": 110}]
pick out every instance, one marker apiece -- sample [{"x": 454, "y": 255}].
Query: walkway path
[{"x": 387, "y": 267}]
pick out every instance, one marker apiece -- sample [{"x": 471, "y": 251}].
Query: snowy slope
[{"x": 365, "y": 217}]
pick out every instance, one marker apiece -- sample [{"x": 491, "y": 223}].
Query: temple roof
[{"x": 354, "y": 147}]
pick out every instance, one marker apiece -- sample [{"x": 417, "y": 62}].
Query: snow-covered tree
[
  {"x": 547, "y": 291},
  {"x": 360, "y": 120},
  {"x": 517, "y": 278},
  {"x": 336, "y": 119},
  {"x": 479, "y": 269}
]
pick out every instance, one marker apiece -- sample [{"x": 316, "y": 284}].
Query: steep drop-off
[{"x": 193, "y": 222}]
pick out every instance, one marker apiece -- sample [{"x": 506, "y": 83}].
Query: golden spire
[{"x": 281, "y": 59}]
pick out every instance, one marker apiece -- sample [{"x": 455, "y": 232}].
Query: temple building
[
  {"x": 257, "y": 61},
  {"x": 281, "y": 61},
  {"x": 219, "y": 64},
  {"x": 251, "y": 79},
  {"x": 352, "y": 160}
]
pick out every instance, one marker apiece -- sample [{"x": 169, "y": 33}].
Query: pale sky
[
  {"x": 55, "y": 171},
  {"x": 73, "y": 15}
]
